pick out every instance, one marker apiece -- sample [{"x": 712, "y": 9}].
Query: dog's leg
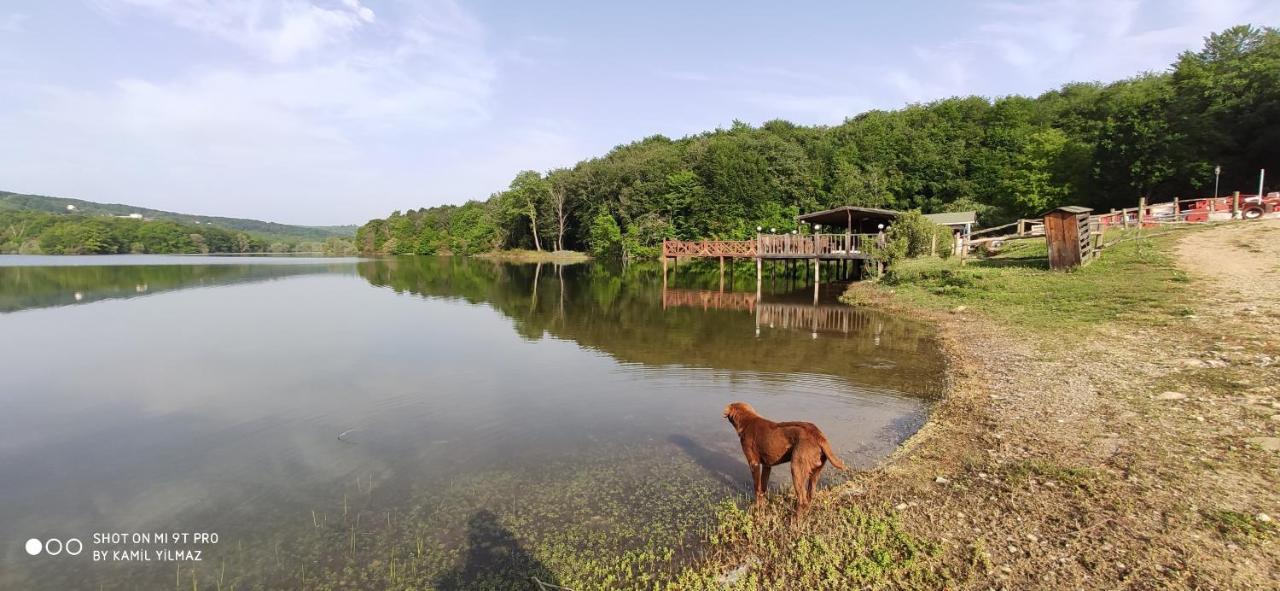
[
  {"x": 764, "y": 483},
  {"x": 755, "y": 482},
  {"x": 813, "y": 479},
  {"x": 800, "y": 482}
]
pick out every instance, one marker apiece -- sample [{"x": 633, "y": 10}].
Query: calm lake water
[{"x": 408, "y": 422}]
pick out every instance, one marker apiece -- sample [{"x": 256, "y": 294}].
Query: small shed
[
  {"x": 1066, "y": 229},
  {"x": 960, "y": 222}
]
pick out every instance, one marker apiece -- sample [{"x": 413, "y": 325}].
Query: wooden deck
[{"x": 778, "y": 246}]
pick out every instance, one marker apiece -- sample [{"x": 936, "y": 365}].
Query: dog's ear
[{"x": 731, "y": 413}]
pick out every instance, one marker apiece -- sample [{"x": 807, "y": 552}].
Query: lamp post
[{"x": 1217, "y": 170}]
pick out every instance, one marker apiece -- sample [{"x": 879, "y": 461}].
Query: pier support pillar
[
  {"x": 817, "y": 278},
  {"x": 759, "y": 278},
  {"x": 722, "y": 273}
]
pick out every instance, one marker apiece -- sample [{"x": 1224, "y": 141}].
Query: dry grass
[
  {"x": 561, "y": 257},
  {"x": 1057, "y": 459}
]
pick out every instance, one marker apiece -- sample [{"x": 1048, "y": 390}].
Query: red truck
[{"x": 1251, "y": 207}]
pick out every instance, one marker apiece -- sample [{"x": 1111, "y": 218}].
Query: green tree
[{"x": 606, "y": 236}]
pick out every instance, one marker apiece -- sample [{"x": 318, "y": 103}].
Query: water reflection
[{"x": 482, "y": 401}]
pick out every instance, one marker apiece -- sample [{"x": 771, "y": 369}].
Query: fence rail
[{"x": 817, "y": 245}]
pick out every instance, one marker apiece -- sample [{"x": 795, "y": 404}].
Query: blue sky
[{"x": 337, "y": 111}]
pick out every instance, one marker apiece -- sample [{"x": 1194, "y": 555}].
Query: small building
[
  {"x": 960, "y": 222},
  {"x": 1066, "y": 230}
]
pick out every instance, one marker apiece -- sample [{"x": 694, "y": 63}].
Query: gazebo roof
[{"x": 841, "y": 215}]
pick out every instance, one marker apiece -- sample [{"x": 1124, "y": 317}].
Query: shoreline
[
  {"x": 1127, "y": 442},
  {"x": 564, "y": 257}
]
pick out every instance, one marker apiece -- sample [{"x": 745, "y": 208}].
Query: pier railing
[
  {"x": 777, "y": 246},
  {"x": 816, "y": 245},
  {"x": 708, "y": 248}
]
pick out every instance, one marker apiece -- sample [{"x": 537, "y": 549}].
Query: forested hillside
[
  {"x": 38, "y": 232},
  {"x": 35, "y": 224},
  {"x": 1157, "y": 135},
  {"x": 266, "y": 231}
]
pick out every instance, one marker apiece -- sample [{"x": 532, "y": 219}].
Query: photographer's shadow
[{"x": 495, "y": 560}]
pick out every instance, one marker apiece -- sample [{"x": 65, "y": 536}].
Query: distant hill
[{"x": 269, "y": 231}]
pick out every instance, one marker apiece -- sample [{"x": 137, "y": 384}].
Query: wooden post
[
  {"x": 759, "y": 277},
  {"x": 664, "y": 271},
  {"x": 722, "y": 273},
  {"x": 1175, "y": 209},
  {"x": 1142, "y": 211},
  {"x": 1235, "y": 205}
]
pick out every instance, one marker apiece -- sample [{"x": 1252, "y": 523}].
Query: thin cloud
[
  {"x": 219, "y": 134},
  {"x": 13, "y": 22},
  {"x": 277, "y": 31}
]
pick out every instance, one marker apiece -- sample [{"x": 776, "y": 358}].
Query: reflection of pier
[
  {"x": 708, "y": 300},
  {"x": 815, "y": 318},
  {"x": 821, "y": 318}
]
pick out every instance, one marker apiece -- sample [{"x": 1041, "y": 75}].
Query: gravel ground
[{"x": 1130, "y": 456}]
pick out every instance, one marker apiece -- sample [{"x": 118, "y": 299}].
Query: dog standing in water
[{"x": 767, "y": 444}]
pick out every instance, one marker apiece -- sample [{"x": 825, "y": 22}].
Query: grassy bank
[
  {"x": 1135, "y": 281},
  {"x": 561, "y": 257},
  {"x": 1108, "y": 427}
]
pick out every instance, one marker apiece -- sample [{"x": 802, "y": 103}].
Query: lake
[{"x": 415, "y": 421}]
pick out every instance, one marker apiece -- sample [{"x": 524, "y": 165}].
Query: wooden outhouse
[{"x": 1066, "y": 229}]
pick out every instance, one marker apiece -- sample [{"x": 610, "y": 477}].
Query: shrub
[{"x": 606, "y": 236}]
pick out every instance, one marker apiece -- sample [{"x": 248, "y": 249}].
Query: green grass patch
[
  {"x": 1079, "y": 478},
  {"x": 1239, "y": 527},
  {"x": 833, "y": 547},
  {"x": 1133, "y": 281},
  {"x": 537, "y": 256}
]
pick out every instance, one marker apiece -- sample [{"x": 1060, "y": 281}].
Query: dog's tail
[{"x": 831, "y": 456}]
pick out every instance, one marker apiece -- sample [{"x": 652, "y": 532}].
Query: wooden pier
[{"x": 782, "y": 248}]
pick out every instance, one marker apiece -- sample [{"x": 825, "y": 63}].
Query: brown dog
[{"x": 767, "y": 444}]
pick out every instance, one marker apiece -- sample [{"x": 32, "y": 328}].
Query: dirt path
[
  {"x": 1130, "y": 457},
  {"x": 1242, "y": 263}
]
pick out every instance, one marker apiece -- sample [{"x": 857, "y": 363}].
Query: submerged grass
[{"x": 838, "y": 545}]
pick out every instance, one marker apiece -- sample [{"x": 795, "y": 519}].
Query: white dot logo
[{"x": 34, "y": 546}]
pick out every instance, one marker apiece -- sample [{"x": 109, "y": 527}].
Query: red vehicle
[{"x": 1251, "y": 207}]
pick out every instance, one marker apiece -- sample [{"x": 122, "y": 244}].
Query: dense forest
[
  {"x": 40, "y": 232},
  {"x": 1157, "y": 135}
]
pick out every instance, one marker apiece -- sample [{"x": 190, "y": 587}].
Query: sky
[{"x": 338, "y": 111}]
